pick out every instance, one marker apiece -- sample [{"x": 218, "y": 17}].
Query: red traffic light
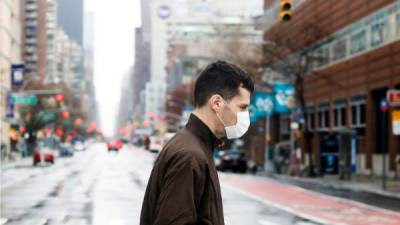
[
  {"x": 59, "y": 132},
  {"x": 78, "y": 122},
  {"x": 59, "y": 98},
  {"x": 65, "y": 115},
  {"x": 22, "y": 129}
]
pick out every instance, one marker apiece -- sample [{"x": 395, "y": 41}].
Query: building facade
[
  {"x": 358, "y": 44},
  {"x": 10, "y": 53}
]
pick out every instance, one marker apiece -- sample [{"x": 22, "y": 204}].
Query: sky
[{"x": 115, "y": 23}]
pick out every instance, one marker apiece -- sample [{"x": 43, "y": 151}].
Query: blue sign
[
  {"x": 9, "y": 107},
  {"x": 284, "y": 97},
  {"x": 262, "y": 105},
  {"x": 17, "y": 74}
]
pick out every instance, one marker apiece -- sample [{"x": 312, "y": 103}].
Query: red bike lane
[{"x": 310, "y": 205}]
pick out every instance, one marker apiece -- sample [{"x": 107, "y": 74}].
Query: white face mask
[{"x": 240, "y": 128}]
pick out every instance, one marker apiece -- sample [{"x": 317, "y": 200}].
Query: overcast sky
[{"x": 115, "y": 22}]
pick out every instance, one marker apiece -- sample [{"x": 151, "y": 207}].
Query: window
[
  {"x": 323, "y": 116},
  {"x": 285, "y": 125},
  {"x": 310, "y": 120},
  {"x": 339, "y": 49},
  {"x": 358, "y": 111},
  {"x": 379, "y": 28},
  {"x": 321, "y": 56},
  {"x": 358, "y": 42},
  {"x": 339, "y": 113}
]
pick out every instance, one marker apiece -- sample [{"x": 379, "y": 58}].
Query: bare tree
[{"x": 236, "y": 46}]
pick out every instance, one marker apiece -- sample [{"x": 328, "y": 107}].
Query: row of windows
[
  {"x": 373, "y": 31},
  {"x": 357, "y": 115}
]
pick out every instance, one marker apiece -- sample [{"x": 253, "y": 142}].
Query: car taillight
[{"x": 226, "y": 158}]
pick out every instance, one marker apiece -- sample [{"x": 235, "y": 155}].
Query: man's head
[{"x": 221, "y": 95}]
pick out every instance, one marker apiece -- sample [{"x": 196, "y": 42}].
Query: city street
[{"x": 97, "y": 187}]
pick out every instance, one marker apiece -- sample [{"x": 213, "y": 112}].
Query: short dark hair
[{"x": 221, "y": 78}]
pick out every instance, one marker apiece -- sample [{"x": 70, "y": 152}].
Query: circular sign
[
  {"x": 384, "y": 105},
  {"x": 164, "y": 11}
]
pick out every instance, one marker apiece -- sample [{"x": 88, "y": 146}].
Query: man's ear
[{"x": 215, "y": 102}]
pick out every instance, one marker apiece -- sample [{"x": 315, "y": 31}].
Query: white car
[{"x": 79, "y": 146}]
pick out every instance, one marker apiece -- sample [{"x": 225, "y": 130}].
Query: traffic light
[
  {"x": 285, "y": 10},
  {"x": 59, "y": 98}
]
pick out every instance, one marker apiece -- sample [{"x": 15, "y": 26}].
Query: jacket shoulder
[{"x": 184, "y": 145}]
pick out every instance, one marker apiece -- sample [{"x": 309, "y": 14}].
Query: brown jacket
[{"x": 183, "y": 188}]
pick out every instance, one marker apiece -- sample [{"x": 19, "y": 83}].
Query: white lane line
[{"x": 263, "y": 222}]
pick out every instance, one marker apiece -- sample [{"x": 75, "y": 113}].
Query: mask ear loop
[
  {"x": 220, "y": 119},
  {"x": 219, "y": 115}
]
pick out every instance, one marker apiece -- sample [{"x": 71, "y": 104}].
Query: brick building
[{"x": 359, "y": 41}]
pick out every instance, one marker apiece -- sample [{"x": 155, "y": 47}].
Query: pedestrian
[{"x": 183, "y": 187}]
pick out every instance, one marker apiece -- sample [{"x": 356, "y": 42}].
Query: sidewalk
[
  {"x": 357, "y": 183},
  {"x": 16, "y": 162},
  {"x": 309, "y": 204}
]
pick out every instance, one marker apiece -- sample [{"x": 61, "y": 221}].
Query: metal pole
[
  {"x": 267, "y": 162},
  {"x": 384, "y": 146}
]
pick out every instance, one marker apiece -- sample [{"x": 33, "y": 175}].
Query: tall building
[
  {"x": 35, "y": 38},
  {"x": 70, "y": 18},
  {"x": 142, "y": 66},
  {"x": 10, "y": 53},
  {"x": 69, "y": 54},
  {"x": 199, "y": 32},
  {"x": 87, "y": 104},
  {"x": 51, "y": 30},
  {"x": 71, "y": 21},
  {"x": 155, "y": 102},
  {"x": 358, "y": 46}
]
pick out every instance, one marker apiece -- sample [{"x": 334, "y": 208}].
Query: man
[{"x": 184, "y": 188}]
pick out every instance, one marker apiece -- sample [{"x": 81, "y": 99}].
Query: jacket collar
[{"x": 202, "y": 131}]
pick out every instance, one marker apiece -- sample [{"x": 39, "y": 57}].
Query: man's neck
[{"x": 205, "y": 118}]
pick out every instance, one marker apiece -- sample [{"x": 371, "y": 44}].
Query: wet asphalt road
[{"x": 101, "y": 188}]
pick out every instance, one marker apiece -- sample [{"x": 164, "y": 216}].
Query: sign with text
[
  {"x": 396, "y": 122},
  {"x": 393, "y": 97}
]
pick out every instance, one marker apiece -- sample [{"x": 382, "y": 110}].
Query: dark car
[
  {"x": 233, "y": 160},
  {"x": 66, "y": 149}
]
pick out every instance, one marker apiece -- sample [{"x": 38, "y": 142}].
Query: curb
[{"x": 335, "y": 186}]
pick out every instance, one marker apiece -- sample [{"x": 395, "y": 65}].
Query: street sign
[
  {"x": 393, "y": 96},
  {"x": 396, "y": 122},
  {"x": 17, "y": 74},
  {"x": 384, "y": 105},
  {"x": 24, "y": 100}
]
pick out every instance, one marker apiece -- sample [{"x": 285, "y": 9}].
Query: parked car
[
  {"x": 79, "y": 146},
  {"x": 217, "y": 158},
  {"x": 114, "y": 145},
  {"x": 156, "y": 144},
  {"x": 66, "y": 149},
  {"x": 43, "y": 154},
  {"x": 235, "y": 161}
]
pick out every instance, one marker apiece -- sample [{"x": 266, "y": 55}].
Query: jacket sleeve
[{"x": 182, "y": 188}]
